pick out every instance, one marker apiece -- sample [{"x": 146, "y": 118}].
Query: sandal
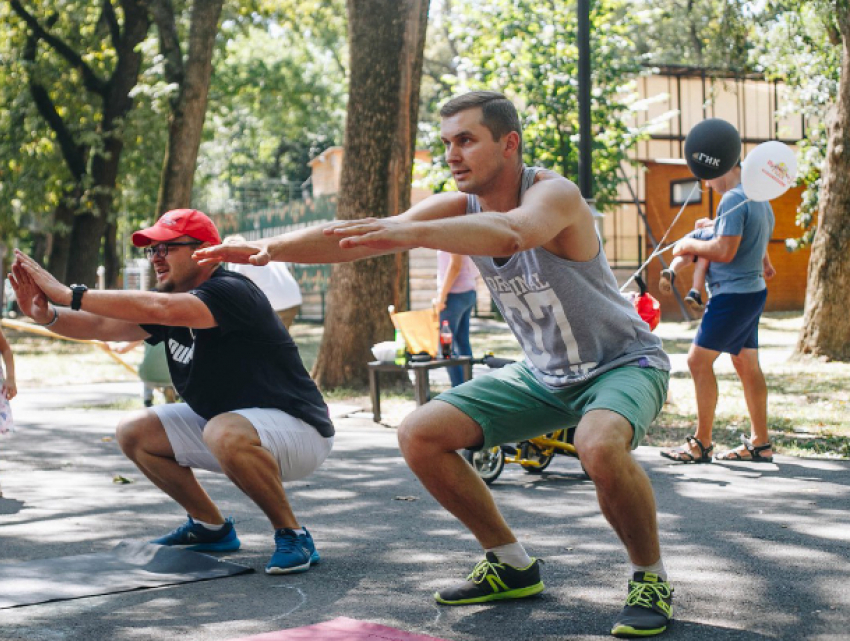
[
  {"x": 755, "y": 452},
  {"x": 686, "y": 456},
  {"x": 665, "y": 282}
]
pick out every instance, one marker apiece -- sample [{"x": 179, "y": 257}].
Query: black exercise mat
[{"x": 131, "y": 565}]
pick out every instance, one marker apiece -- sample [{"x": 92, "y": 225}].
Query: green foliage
[
  {"x": 798, "y": 47},
  {"x": 38, "y": 171},
  {"x": 145, "y": 139},
  {"x": 527, "y": 49},
  {"x": 33, "y": 177},
  {"x": 704, "y": 33},
  {"x": 277, "y": 100}
]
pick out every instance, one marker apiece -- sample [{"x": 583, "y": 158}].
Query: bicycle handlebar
[{"x": 493, "y": 362}]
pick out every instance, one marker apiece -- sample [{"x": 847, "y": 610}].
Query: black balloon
[{"x": 712, "y": 148}]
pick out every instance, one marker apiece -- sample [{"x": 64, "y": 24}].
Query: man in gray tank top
[{"x": 591, "y": 362}]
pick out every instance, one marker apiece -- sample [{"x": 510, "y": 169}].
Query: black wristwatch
[{"x": 77, "y": 292}]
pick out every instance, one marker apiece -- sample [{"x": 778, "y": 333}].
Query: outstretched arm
[
  {"x": 547, "y": 209},
  {"x": 319, "y": 245},
  {"x": 106, "y": 315},
  {"x": 550, "y": 206}
]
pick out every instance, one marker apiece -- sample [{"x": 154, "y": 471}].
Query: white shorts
[{"x": 297, "y": 446}]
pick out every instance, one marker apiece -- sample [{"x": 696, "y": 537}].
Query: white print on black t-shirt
[{"x": 180, "y": 353}]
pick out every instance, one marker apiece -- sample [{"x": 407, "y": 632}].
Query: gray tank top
[{"x": 569, "y": 317}]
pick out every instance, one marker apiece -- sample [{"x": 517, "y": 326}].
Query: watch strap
[{"x": 77, "y": 292}]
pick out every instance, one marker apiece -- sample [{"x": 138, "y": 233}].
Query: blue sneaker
[
  {"x": 194, "y": 536},
  {"x": 293, "y": 552}
]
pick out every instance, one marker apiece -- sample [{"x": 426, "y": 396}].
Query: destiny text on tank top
[{"x": 569, "y": 317}]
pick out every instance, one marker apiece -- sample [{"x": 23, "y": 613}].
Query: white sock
[
  {"x": 512, "y": 554},
  {"x": 655, "y": 568},
  {"x": 210, "y": 526},
  {"x": 299, "y": 531}
]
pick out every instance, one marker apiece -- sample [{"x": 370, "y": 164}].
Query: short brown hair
[{"x": 498, "y": 113}]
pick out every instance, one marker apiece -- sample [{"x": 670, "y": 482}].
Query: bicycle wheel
[
  {"x": 540, "y": 455},
  {"x": 488, "y": 464}
]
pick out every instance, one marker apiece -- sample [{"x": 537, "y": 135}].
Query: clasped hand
[{"x": 35, "y": 287}]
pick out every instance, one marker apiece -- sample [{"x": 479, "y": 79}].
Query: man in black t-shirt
[{"x": 252, "y": 412}]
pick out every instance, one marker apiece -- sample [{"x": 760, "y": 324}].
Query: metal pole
[{"x": 585, "y": 176}]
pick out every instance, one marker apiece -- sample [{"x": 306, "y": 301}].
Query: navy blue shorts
[{"x": 731, "y": 322}]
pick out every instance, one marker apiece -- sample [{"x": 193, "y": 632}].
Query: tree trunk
[
  {"x": 60, "y": 245},
  {"x": 186, "y": 122},
  {"x": 75, "y": 253},
  {"x": 89, "y": 230},
  {"x": 110, "y": 256},
  {"x": 386, "y": 43},
  {"x": 826, "y": 325}
]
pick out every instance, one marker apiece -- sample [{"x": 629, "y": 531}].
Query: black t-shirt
[{"x": 248, "y": 360}]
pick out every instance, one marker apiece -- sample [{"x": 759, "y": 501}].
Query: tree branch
[
  {"x": 692, "y": 31},
  {"x": 74, "y": 159},
  {"x": 91, "y": 81},
  {"x": 108, "y": 16},
  {"x": 447, "y": 11},
  {"x": 162, "y": 14}
]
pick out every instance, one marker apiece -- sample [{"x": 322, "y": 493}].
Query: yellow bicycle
[{"x": 534, "y": 455}]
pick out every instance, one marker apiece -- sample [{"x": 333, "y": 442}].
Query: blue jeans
[{"x": 458, "y": 310}]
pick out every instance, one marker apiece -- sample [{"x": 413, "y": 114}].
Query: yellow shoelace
[
  {"x": 481, "y": 569},
  {"x": 650, "y": 595}
]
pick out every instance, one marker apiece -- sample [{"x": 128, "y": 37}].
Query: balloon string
[
  {"x": 656, "y": 252},
  {"x": 660, "y": 250}
]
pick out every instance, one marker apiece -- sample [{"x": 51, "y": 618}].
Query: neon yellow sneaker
[
  {"x": 649, "y": 607},
  {"x": 492, "y": 581}
]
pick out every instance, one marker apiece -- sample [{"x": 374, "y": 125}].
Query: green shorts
[{"x": 511, "y": 405}]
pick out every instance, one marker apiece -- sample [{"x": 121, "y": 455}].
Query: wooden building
[
  {"x": 668, "y": 183},
  {"x": 659, "y": 180}
]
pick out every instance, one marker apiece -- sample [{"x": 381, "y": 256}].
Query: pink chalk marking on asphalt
[{"x": 340, "y": 629}]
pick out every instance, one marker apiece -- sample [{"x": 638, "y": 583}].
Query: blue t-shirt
[{"x": 753, "y": 222}]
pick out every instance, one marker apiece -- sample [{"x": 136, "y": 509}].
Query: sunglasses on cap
[{"x": 161, "y": 250}]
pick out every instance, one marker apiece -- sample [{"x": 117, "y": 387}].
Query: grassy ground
[
  {"x": 808, "y": 407},
  {"x": 808, "y": 398},
  {"x": 43, "y": 362}
]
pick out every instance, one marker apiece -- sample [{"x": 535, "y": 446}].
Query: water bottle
[{"x": 445, "y": 340}]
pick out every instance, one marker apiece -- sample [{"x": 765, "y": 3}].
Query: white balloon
[{"x": 768, "y": 171}]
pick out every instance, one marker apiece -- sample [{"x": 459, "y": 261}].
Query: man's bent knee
[
  {"x": 437, "y": 427},
  {"x": 417, "y": 433},
  {"x": 229, "y": 433},
  {"x": 602, "y": 440},
  {"x": 141, "y": 429}
]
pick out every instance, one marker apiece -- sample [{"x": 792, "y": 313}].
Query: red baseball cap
[{"x": 176, "y": 223}]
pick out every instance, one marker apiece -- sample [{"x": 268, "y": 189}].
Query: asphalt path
[{"x": 753, "y": 551}]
